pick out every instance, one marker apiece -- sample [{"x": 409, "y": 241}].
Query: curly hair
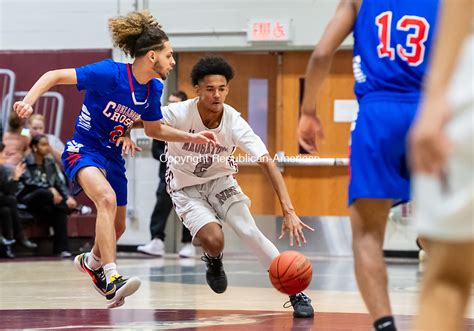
[
  {"x": 211, "y": 65},
  {"x": 137, "y": 33}
]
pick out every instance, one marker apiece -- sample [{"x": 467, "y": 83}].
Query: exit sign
[{"x": 269, "y": 30}]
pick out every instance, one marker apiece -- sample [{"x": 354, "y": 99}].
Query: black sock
[{"x": 386, "y": 323}]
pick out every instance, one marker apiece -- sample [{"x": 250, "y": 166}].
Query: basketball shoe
[
  {"x": 301, "y": 305},
  {"x": 215, "y": 274},
  {"x": 118, "y": 288},
  {"x": 98, "y": 276}
]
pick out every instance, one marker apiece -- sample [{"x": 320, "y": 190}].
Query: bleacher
[{"x": 81, "y": 228}]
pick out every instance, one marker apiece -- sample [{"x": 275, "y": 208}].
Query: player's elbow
[
  {"x": 149, "y": 131},
  {"x": 52, "y": 77},
  {"x": 321, "y": 54},
  {"x": 265, "y": 161},
  {"x": 138, "y": 124}
]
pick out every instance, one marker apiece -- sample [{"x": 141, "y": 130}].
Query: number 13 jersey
[
  {"x": 392, "y": 40},
  {"x": 193, "y": 164}
]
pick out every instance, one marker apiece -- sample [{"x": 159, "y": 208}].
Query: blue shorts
[
  {"x": 378, "y": 149},
  {"x": 76, "y": 156}
]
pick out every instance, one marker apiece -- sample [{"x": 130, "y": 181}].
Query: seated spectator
[
  {"x": 36, "y": 124},
  {"x": 10, "y": 227},
  {"x": 45, "y": 194},
  {"x": 15, "y": 143}
]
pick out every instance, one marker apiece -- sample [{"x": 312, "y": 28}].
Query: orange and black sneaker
[
  {"x": 98, "y": 276},
  {"x": 118, "y": 288}
]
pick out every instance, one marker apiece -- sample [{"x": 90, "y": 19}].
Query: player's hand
[
  {"x": 429, "y": 145},
  {"x": 310, "y": 131},
  {"x": 128, "y": 146},
  {"x": 204, "y": 137},
  {"x": 294, "y": 226},
  {"x": 22, "y": 109}
]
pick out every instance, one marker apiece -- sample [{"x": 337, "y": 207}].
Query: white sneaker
[
  {"x": 188, "y": 250},
  {"x": 155, "y": 247}
]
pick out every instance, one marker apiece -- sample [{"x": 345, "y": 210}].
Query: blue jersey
[
  {"x": 113, "y": 101},
  {"x": 392, "y": 40}
]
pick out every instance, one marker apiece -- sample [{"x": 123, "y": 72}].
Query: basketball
[{"x": 290, "y": 272}]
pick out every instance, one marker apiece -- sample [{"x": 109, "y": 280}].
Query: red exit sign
[{"x": 269, "y": 30}]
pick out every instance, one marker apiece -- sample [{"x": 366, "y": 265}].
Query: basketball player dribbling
[{"x": 201, "y": 183}]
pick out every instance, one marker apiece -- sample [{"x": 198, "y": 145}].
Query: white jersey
[{"x": 192, "y": 164}]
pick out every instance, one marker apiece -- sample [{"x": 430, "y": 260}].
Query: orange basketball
[{"x": 290, "y": 272}]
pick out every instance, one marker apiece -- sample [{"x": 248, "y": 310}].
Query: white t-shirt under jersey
[{"x": 191, "y": 164}]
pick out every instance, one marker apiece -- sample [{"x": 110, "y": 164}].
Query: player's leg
[
  {"x": 379, "y": 176},
  {"x": 98, "y": 189},
  {"x": 91, "y": 262},
  {"x": 446, "y": 286},
  {"x": 444, "y": 215},
  {"x": 242, "y": 222},
  {"x": 368, "y": 220},
  {"x": 211, "y": 238},
  {"x": 200, "y": 218}
]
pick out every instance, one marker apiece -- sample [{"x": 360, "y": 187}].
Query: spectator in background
[
  {"x": 16, "y": 143},
  {"x": 45, "y": 194},
  {"x": 10, "y": 227},
  {"x": 36, "y": 124},
  {"x": 163, "y": 204}
]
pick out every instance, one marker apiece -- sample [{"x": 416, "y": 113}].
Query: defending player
[
  {"x": 117, "y": 94},
  {"x": 392, "y": 41}
]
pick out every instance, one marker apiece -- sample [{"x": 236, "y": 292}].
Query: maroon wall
[{"x": 30, "y": 65}]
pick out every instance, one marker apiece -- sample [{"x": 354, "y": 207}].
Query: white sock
[
  {"x": 110, "y": 269},
  {"x": 93, "y": 261},
  {"x": 241, "y": 221}
]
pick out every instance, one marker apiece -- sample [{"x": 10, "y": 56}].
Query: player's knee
[
  {"x": 213, "y": 243},
  {"x": 107, "y": 201}
]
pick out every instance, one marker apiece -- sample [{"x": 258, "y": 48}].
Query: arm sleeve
[
  {"x": 100, "y": 77},
  {"x": 246, "y": 139}
]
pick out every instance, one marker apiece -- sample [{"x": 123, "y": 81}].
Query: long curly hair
[{"x": 137, "y": 33}]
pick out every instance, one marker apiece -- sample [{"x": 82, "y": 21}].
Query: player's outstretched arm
[
  {"x": 48, "y": 80},
  {"x": 340, "y": 26},
  {"x": 156, "y": 130},
  {"x": 291, "y": 222}
]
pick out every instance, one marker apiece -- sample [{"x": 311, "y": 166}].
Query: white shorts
[
  {"x": 199, "y": 205},
  {"x": 444, "y": 209}
]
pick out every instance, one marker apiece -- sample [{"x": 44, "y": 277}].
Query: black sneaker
[
  {"x": 215, "y": 274},
  {"x": 119, "y": 288},
  {"x": 301, "y": 305},
  {"x": 98, "y": 276}
]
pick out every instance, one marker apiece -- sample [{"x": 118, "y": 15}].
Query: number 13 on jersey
[{"x": 413, "y": 52}]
